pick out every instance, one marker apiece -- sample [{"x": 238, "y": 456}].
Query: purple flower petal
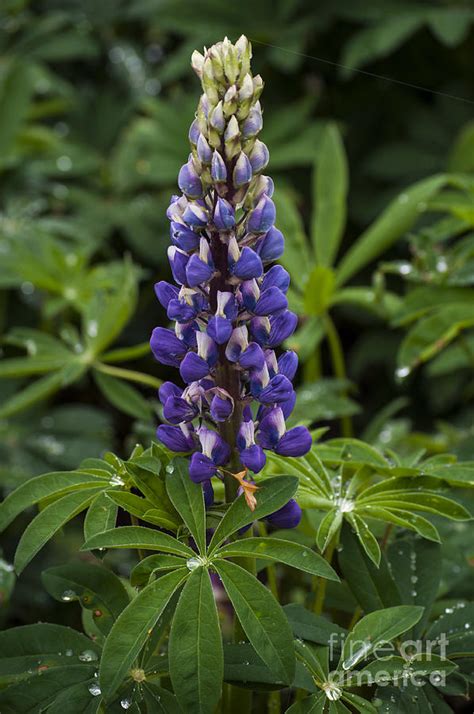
[
  {"x": 175, "y": 438},
  {"x": 276, "y": 276},
  {"x": 253, "y": 457},
  {"x": 181, "y": 311},
  {"x": 252, "y": 357},
  {"x": 282, "y": 326},
  {"x": 221, "y": 409},
  {"x": 270, "y": 302},
  {"x": 242, "y": 171},
  {"x": 271, "y": 246},
  {"x": 262, "y": 217},
  {"x": 183, "y": 237},
  {"x": 296, "y": 442},
  {"x": 259, "y": 156},
  {"x": 178, "y": 261},
  {"x": 166, "y": 347},
  {"x": 288, "y": 364},
  {"x": 177, "y": 410},
  {"x": 197, "y": 271},
  {"x": 168, "y": 389},
  {"x": 193, "y": 368},
  {"x": 248, "y": 266},
  {"x": 189, "y": 180},
  {"x": 201, "y": 468},
  {"x": 288, "y": 405},
  {"x": 220, "y": 329},
  {"x": 208, "y": 493},
  {"x": 279, "y": 389},
  {"x": 288, "y": 516},
  {"x": 165, "y": 292},
  {"x": 271, "y": 428},
  {"x": 224, "y": 215}
]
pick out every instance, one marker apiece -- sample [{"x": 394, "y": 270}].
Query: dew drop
[
  {"x": 88, "y": 656},
  {"x": 68, "y": 595},
  {"x": 402, "y": 372},
  {"x": 126, "y": 703},
  {"x": 405, "y": 268},
  {"x": 194, "y": 563},
  {"x": 92, "y": 328},
  {"x": 94, "y": 689},
  {"x": 169, "y": 469}
]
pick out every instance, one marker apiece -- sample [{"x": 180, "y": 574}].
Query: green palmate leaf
[
  {"x": 130, "y": 632},
  {"x": 365, "y": 536},
  {"x": 315, "y": 658},
  {"x": 433, "y": 333},
  {"x": 403, "y": 518},
  {"x": 195, "y": 648},
  {"x": 329, "y": 526},
  {"x": 311, "y": 705},
  {"x": 411, "y": 700},
  {"x": 154, "y": 564},
  {"x": 24, "y": 649},
  {"x": 123, "y": 396},
  {"x": 284, "y": 551},
  {"x": 49, "y": 522},
  {"x": 452, "y": 623},
  {"x": 78, "y": 699},
  {"x": 96, "y": 588},
  {"x": 374, "y": 587},
  {"x": 361, "y": 705},
  {"x": 40, "y": 692},
  {"x": 319, "y": 290},
  {"x": 187, "y": 497},
  {"x": 416, "y": 567},
  {"x": 272, "y": 494},
  {"x": 315, "y": 628},
  {"x": 330, "y": 193},
  {"x": 16, "y": 91},
  {"x": 143, "y": 509},
  {"x": 43, "y": 487},
  {"x": 261, "y": 617},
  {"x": 375, "y": 628},
  {"x": 395, "y": 667},
  {"x": 138, "y": 537},
  {"x": 456, "y": 474},
  {"x": 159, "y": 700},
  {"x": 394, "y": 222},
  {"x": 106, "y": 314},
  {"x": 419, "y": 501},
  {"x": 296, "y": 258},
  {"x": 41, "y": 389},
  {"x": 26, "y": 366},
  {"x": 101, "y": 515}
]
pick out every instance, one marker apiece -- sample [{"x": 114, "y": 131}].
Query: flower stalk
[{"x": 229, "y": 300}]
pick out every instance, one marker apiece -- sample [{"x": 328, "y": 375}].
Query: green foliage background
[{"x": 362, "y": 99}]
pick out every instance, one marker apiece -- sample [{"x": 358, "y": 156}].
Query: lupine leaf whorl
[{"x": 230, "y": 308}]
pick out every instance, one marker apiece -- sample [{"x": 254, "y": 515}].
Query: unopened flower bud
[{"x": 242, "y": 173}]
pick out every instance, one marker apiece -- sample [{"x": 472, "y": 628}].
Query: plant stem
[
  {"x": 338, "y": 364},
  {"x": 128, "y": 374},
  {"x": 321, "y": 583}
]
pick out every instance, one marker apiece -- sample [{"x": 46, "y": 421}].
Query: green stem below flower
[
  {"x": 338, "y": 364},
  {"x": 129, "y": 374}
]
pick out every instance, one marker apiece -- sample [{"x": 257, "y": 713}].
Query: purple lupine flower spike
[{"x": 229, "y": 308}]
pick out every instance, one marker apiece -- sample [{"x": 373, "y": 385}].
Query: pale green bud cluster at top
[{"x": 229, "y": 116}]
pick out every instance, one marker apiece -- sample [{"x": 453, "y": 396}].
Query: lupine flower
[{"x": 229, "y": 303}]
